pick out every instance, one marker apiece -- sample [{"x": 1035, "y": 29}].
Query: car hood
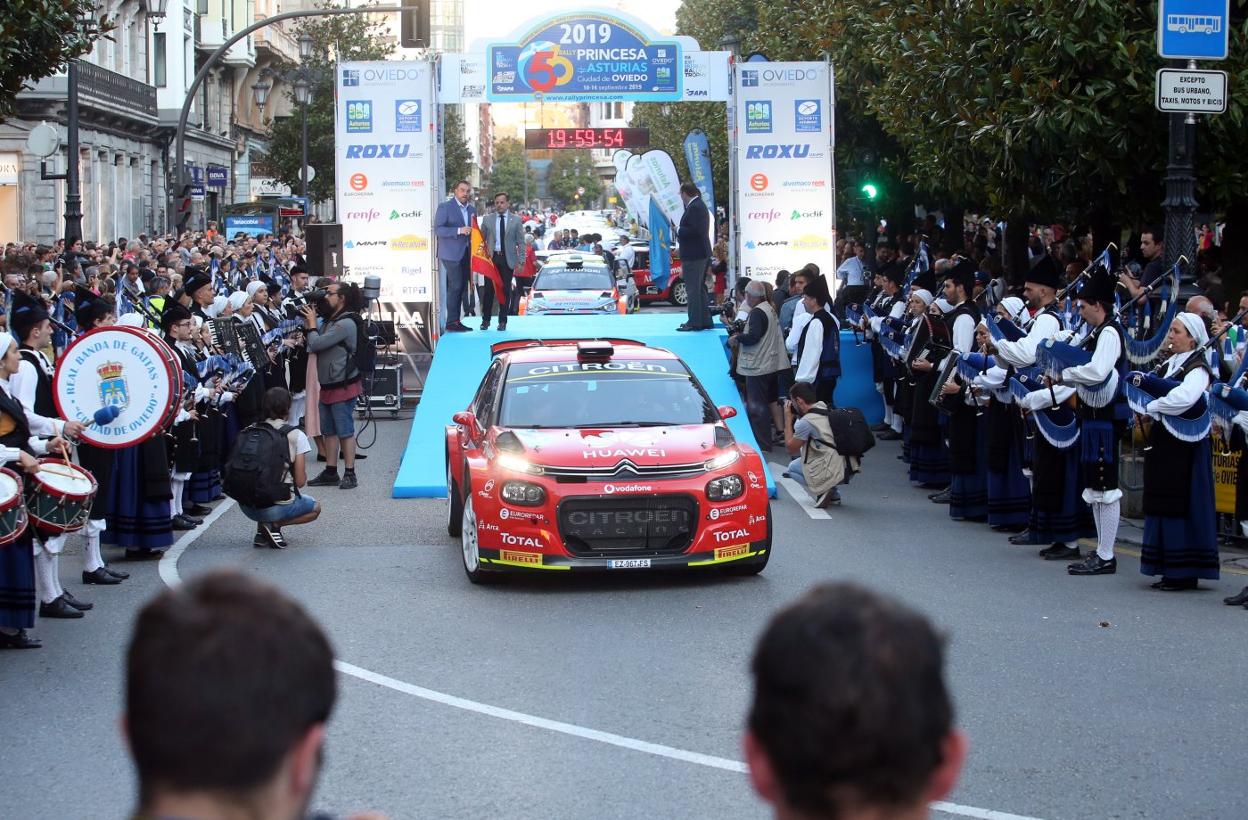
[
  {"x": 572, "y": 298},
  {"x": 604, "y": 447}
]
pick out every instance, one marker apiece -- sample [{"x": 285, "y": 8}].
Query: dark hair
[
  {"x": 689, "y": 189},
  {"x": 850, "y": 703},
  {"x": 462, "y": 182},
  {"x": 275, "y": 404},
  {"x": 1159, "y": 235},
  {"x": 804, "y": 391},
  {"x": 224, "y": 674},
  {"x": 503, "y": 194}
]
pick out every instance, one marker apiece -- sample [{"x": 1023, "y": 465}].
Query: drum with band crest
[
  {"x": 59, "y": 496},
  {"x": 125, "y": 367}
]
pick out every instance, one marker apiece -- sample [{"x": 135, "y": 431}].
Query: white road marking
[
  {"x": 169, "y": 574},
  {"x": 802, "y": 498}
]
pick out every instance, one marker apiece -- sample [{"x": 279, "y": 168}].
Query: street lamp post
[
  {"x": 303, "y": 95},
  {"x": 184, "y": 185}
]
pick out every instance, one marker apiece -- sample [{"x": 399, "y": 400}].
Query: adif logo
[
  {"x": 406, "y": 215},
  {"x": 765, "y": 216},
  {"x": 382, "y": 151},
  {"x": 350, "y": 76},
  {"x": 806, "y": 215},
  {"x": 364, "y": 216},
  {"x": 749, "y": 78},
  {"x": 778, "y": 151}
]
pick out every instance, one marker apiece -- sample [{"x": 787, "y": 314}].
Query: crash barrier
[{"x": 462, "y": 358}]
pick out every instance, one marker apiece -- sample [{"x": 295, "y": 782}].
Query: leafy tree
[
  {"x": 335, "y": 39},
  {"x": 37, "y": 38},
  {"x": 570, "y": 170},
  {"x": 669, "y": 129},
  {"x": 457, "y": 156},
  {"x": 508, "y": 173}
]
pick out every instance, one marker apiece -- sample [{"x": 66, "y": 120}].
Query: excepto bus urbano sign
[{"x": 585, "y": 57}]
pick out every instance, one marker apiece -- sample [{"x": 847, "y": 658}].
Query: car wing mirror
[
  {"x": 468, "y": 420},
  {"x": 727, "y": 411}
]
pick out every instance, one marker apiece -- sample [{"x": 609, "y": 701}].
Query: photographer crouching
[
  {"x": 335, "y": 342},
  {"x": 761, "y": 359}
]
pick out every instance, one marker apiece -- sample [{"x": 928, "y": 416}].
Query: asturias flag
[{"x": 483, "y": 262}]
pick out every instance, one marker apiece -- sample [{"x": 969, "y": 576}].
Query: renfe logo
[
  {"x": 388, "y": 150},
  {"x": 364, "y": 216},
  {"x": 764, "y": 216},
  {"x": 785, "y": 151}
]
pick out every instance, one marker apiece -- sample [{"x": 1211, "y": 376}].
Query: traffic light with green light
[{"x": 870, "y": 191}]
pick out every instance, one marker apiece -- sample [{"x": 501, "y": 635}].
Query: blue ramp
[{"x": 462, "y": 358}]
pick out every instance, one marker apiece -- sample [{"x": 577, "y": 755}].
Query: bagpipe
[
  {"x": 1143, "y": 351},
  {"x": 929, "y": 341},
  {"x": 938, "y": 398},
  {"x": 1058, "y": 425},
  {"x": 1141, "y": 388},
  {"x": 1052, "y": 357},
  {"x": 1001, "y": 327}
]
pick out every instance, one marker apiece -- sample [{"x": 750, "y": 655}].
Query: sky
[{"x": 497, "y": 18}]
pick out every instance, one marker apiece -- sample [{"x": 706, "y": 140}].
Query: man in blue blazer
[
  {"x": 694, "y": 237},
  {"x": 452, "y": 225}
]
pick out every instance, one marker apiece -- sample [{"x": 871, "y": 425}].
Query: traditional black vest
[{"x": 45, "y": 404}]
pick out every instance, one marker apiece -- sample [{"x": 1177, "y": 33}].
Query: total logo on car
[
  {"x": 572, "y": 283},
  {"x": 600, "y": 455}
]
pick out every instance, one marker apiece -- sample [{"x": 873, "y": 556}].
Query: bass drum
[
  {"x": 12, "y": 507},
  {"x": 125, "y": 367}
]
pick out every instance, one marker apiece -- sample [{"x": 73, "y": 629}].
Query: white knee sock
[
  {"x": 888, "y": 415},
  {"x": 177, "y": 484},
  {"x": 91, "y": 557},
  {"x": 48, "y": 585},
  {"x": 1107, "y": 532}
]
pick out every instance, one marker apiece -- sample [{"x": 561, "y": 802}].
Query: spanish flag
[{"x": 483, "y": 262}]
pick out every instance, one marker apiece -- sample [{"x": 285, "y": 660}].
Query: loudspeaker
[{"x": 324, "y": 254}]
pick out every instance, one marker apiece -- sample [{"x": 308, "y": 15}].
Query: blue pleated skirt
[
  {"x": 929, "y": 463},
  {"x": 1186, "y": 546},
  {"x": 968, "y": 492},
  {"x": 202, "y": 487},
  {"x": 17, "y": 583},
  {"x": 1073, "y": 518},
  {"x": 135, "y": 522},
  {"x": 1009, "y": 492}
]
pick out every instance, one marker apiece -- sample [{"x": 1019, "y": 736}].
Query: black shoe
[
  {"x": 1060, "y": 552},
  {"x": 1023, "y": 538},
  {"x": 144, "y": 555},
  {"x": 1014, "y": 528},
  {"x": 1176, "y": 584},
  {"x": 100, "y": 576},
  {"x": 273, "y": 535},
  {"x": 261, "y": 541},
  {"x": 889, "y": 435},
  {"x": 485, "y": 325},
  {"x": 182, "y": 522},
  {"x": 458, "y": 327},
  {"x": 879, "y": 428},
  {"x": 116, "y": 573},
  {"x": 19, "y": 640},
  {"x": 82, "y": 606},
  {"x": 686, "y": 327},
  {"x": 59, "y": 608},
  {"x": 1237, "y": 600},
  {"x": 831, "y": 498},
  {"x": 502, "y": 325},
  {"x": 1094, "y": 565},
  {"x": 941, "y": 498},
  {"x": 196, "y": 510},
  {"x": 343, "y": 458},
  {"x": 327, "y": 478},
  {"x": 928, "y": 485},
  {"x": 348, "y": 482}
]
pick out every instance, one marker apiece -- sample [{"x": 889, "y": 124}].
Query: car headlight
[
  {"x": 536, "y": 307},
  {"x": 520, "y": 464},
  {"x": 723, "y": 460},
  {"x": 524, "y": 493},
  {"x": 725, "y": 488}
]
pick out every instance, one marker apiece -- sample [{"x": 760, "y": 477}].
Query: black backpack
[
  {"x": 365, "y": 347},
  {"x": 254, "y": 474},
  {"x": 850, "y": 433}
]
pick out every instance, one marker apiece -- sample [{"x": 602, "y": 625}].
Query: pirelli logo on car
[
  {"x": 728, "y": 553},
  {"x": 518, "y": 557}
]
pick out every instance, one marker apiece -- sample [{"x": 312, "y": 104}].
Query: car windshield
[
  {"x": 560, "y": 278},
  {"x": 618, "y": 393}
]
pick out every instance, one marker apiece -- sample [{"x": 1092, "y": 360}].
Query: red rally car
[{"x": 600, "y": 455}]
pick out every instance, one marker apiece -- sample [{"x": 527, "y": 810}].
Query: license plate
[{"x": 630, "y": 563}]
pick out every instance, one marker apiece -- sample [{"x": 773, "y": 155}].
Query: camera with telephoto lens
[
  {"x": 293, "y": 304},
  {"x": 728, "y": 310}
]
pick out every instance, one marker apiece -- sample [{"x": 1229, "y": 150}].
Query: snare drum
[
  {"x": 123, "y": 366},
  {"x": 12, "y": 510},
  {"x": 59, "y": 496}
]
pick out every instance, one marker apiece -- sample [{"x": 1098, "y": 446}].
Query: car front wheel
[
  {"x": 454, "y": 504},
  {"x": 471, "y": 549},
  {"x": 680, "y": 294}
]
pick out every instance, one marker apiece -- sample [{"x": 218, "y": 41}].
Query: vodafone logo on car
[{"x": 611, "y": 489}]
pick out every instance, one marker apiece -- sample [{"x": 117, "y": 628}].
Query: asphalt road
[{"x": 1083, "y": 697}]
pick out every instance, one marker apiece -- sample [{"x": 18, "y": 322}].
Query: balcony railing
[{"x": 109, "y": 86}]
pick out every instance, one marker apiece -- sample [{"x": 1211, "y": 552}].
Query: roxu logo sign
[
  {"x": 784, "y": 151},
  {"x": 383, "y": 151}
]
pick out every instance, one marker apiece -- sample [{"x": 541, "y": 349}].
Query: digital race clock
[{"x": 543, "y": 139}]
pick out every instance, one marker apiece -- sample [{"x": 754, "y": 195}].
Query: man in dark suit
[
  {"x": 452, "y": 225},
  {"x": 504, "y": 241},
  {"x": 694, "y": 239}
]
